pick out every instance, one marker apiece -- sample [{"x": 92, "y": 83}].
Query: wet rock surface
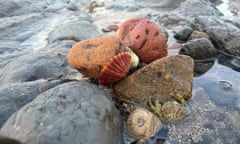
[
  {"x": 36, "y": 36},
  {"x": 15, "y": 96},
  {"x": 199, "y": 49},
  {"x": 75, "y": 112},
  {"x": 77, "y": 31}
]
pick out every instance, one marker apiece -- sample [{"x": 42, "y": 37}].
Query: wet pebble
[
  {"x": 183, "y": 34},
  {"x": 201, "y": 48}
]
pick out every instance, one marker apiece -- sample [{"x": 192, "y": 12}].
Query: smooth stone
[
  {"x": 90, "y": 56},
  {"x": 201, "y": 48},
  {"x": 71, "y": 113},
  {"x": 183, "y": 34},
  {"x": 33, "y": 66},
  {"x": 163, "y": 79},
  {"x": 225, "y": 36},
  {"x": 14, "y": 96},
  {"x": 76, "y": 30},
  {"x": 197, "y": 35}
]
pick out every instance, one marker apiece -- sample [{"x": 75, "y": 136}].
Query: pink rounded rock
[{"x": 144, "y": 37}]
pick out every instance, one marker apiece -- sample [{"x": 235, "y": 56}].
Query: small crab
[{"x": 170, "y": 111}]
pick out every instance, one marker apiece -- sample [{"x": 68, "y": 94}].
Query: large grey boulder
[
  {"x": 71, "y": 113},
  {"x": 15, "y": 96}
]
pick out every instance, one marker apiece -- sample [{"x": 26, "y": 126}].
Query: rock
[
  {"x": 203, "y": 52},
  {"x": 202, "y": 66},
  {"x": 74, "y": 112},
  {"x": 76, "y": 30},
  {"x": 22, "y": 7},
  {"x": 229, "y": 61},
  {"x": 144, "y": 37},
  {"x": 60, "y": 47},
  {"x": 163, "y": 79},
  {"x": 34, "y": 67},
  {"x": 183, "y": 34},
  {"x": 173, "y": 20},
  {"x": 90, "y": 56},
  {"x": 199, "y": 49},
  {"x": 14, "y": 96},
  {"x": 224, "y": 35},
  {"x": 197, "y": 35},
  {"x": 193, "y": 8}
]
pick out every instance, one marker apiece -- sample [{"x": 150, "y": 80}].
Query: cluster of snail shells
[{"x": 143, "y": 123}]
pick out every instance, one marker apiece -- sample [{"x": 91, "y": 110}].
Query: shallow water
[{"x": 224, "y": 9}]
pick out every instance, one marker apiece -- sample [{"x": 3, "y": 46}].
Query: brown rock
[
  {"x": 89, "y": 56},
  {"x": 197, "y": 35},
  {"x": 163, "y": 79},
  {"x": 144, "y": 37}
]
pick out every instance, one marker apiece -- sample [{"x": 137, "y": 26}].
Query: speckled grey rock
[
  {"x": 71, "y": 113},
  {"x": 224, "y": 35},
  {"x": 14, "y": 96}
]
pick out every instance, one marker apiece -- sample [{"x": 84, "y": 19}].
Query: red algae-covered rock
[
  {"x": 166, "y": 79},
  {"x": 90, "y": 56},
  {"x": 144, "y": 37},
  {"x": 115, "y": 69}
]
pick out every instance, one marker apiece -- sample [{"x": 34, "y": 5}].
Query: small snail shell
[
  {"x": 143, "y": 123},
  {"x": 173, "y": 111}
]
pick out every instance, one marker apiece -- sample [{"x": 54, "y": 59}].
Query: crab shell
[
  {"x": 90, "y": 56},
  {"x": 144, "y": 37}
]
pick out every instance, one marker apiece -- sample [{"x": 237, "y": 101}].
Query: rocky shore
[{"x": 45, "y": 101}]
